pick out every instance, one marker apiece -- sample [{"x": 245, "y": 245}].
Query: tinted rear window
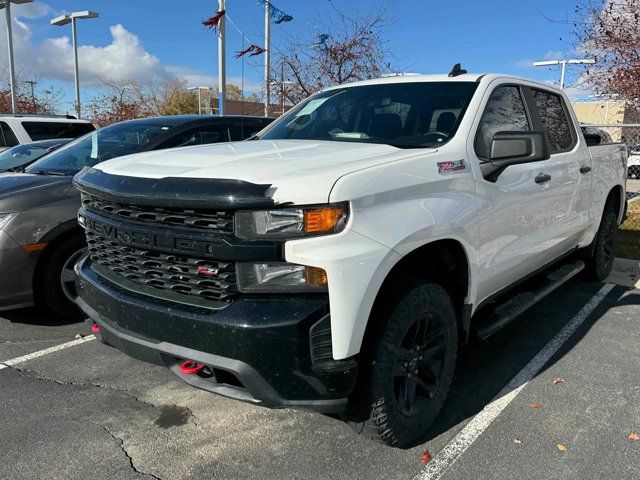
[{"x": 46, "y": 130}]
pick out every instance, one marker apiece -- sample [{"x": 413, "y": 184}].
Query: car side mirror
[
  {"x": 513, "y": 148},
  {"x": 592, "y": 139}
]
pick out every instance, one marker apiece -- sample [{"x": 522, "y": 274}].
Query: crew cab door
[
  {"x": 569, "y": 169},
  {"x": 514, "y": 207}
]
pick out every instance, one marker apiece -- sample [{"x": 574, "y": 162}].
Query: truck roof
[{"x": 467, "y": 77}]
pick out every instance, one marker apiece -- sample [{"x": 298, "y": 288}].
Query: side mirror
[
  {"x": 512, "y": 148},
  {"x": 592, "y": 139}
]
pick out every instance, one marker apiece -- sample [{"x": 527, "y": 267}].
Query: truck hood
[{"x": 299, "y": 171}]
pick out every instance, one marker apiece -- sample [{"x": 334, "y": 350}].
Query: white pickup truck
[{"x": 338, "y": 260}]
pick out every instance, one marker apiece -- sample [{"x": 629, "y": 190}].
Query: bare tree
[
  {"x": 609, "y": 31},
  {"x": 352, "y": 50},
  {"x": 29, "y": 98},
  {"x": 121, "y": 100}
]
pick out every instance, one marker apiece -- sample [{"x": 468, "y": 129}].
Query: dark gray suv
[{"x": 40, "y": 239}]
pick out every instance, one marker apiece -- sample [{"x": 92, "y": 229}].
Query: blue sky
[{"x": 162, "y": 38}]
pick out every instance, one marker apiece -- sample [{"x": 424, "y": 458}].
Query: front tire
[
  {"x": 56, "y": 280},
  {"x": 411, "y": 366},
  {"x": 600, "y": 262}
]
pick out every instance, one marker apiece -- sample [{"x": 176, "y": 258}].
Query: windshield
[
  {"x": 108, "y": 142},
  {"x": 23, "y": 154},
  {"x": 405, "y": 115}
]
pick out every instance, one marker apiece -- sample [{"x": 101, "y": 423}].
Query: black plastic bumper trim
[{"x": 258, "y": 391}]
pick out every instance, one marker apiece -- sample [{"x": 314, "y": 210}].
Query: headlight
[
  {"x": 280, "y": 277},
  {"x": 291, "y": 222},
  {"x": 4, "y": 219}
]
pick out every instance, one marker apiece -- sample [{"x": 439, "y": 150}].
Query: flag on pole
[
  {"x": 214, "y": 21},
  {"x": 253, "y": 50},
  {"x": 321, "y": 43},
  {"x": 277, "y": 15}
]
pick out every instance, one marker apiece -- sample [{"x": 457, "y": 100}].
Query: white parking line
[
  {"x": 46, "y": 351},
  {"x": 463, "y": 440}
]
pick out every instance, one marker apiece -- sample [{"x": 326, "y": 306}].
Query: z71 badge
[{"x": 451, "y": 167}]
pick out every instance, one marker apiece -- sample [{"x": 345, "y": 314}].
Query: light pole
[
  {"x": 71, "y": 18},
  {"x": 564, "y": 63},
  {"x": 222, "y": 60},
  {"x": 199, "y": 89},
  {"x": 267, "y": 56},
  {"x": 6, "y": 4}
]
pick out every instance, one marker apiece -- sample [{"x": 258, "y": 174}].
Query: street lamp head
[
  {"x": 15, "y": 2},
  {"x": 84, "y": 14},
  {"x": 546, "y": 63},
  {"x": 61, "y": 20}
]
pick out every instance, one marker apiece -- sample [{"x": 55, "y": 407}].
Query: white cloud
[
  {"x": 31, "y": 10},
  {"x": 124, "y": 58}
]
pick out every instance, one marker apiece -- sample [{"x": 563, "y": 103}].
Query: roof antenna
[{"x": 457, "y": 70}]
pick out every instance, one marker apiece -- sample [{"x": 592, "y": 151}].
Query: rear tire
[
  {"x": 55, "y": 281},
  {"x": 600, "y": 262},
  {"x": 408, "y": 372}
]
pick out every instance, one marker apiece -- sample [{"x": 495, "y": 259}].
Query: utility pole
[
  {"x": 222, "y": 61},
  {"x": 32, "y": 84},
  {"x": 563, "y": 63},
  {"x": 267, "y": 56}
]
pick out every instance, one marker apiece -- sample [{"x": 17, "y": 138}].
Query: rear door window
[
  {"x": 555, "y": 122},
  {"x": 46, "y": 130},
  {"x": 505, "y": 111},
  {"x": 7, "y": 137}
]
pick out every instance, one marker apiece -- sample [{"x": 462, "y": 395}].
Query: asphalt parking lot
[{"x": 88, "y": 411}]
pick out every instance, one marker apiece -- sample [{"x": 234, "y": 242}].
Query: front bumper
[
  {"x": 258, "y": 349},
  {"x": 16, "y": 273}
]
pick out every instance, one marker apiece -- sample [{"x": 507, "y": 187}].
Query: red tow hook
[
  {"x": 189, "y": 367},
  {"x": 95, "y": 328}
]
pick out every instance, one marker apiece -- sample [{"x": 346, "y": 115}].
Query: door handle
[
  {"x": 585, "y": 169},
  {"x": 543, "y": 177}
]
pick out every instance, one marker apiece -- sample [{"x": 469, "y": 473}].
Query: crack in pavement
[
  {"x": 120, "y": 442},
  {"x": 38, "y": 376}
]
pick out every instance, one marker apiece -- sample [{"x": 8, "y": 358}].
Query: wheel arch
[
  {"x": 616, "y": 201},
  {"x": 53, "y": 238},
  {"x": 445, "y": 262}
]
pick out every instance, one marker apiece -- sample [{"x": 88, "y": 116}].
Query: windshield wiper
[{"x": 49, "y": 172}]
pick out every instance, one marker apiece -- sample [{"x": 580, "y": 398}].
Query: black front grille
[
  {"x": 181, "y": 276},
  {"x": 205, "y": 220}
]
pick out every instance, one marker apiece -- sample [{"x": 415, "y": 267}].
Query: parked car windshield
[
  {"x": 108, "y": 142},
  {"x": 404, "y": 115},
  {"x": 21, "y": 155}
]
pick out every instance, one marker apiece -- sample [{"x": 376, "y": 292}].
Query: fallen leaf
[
  {"x": 517, "y": 441},
  {"x": 561, "y": 447},
  {"x": 426, "y": 456},
  {"x": 634, "y": 436},
  {"x": 535, "y": 405},
  {"x": 558, "y": 380}
]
